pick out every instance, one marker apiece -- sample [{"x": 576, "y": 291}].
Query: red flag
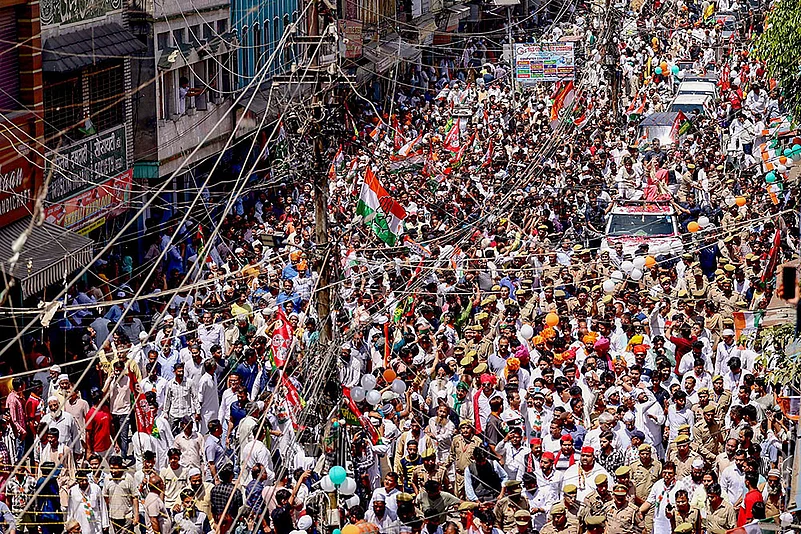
[
  {"x": 452, "y": 143},
  {"x": 145, "y": 415},
  {"x": 293, "y": 398},
  {"x": 282, "y": 338},
  {"x": 677, "y": 122},
  {"x": 363, "y": 419},
  {"x": 725, "y": 78},
  {"x": 773, "y": 257}
]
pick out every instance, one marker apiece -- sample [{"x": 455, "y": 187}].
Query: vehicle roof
[
  {"x": 639, "y": 208},
  {"x": 691, "y": 99},
  {"x": 697, "y": 84},
  {"x": 664, "y": 118}
]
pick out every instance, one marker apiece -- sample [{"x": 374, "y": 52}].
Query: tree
[
  {"x": 778, "y": 46},
  {"x": 780, "y": 355}
]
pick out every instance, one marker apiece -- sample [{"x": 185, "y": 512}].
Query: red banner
[{"x": 363, "y": 419}]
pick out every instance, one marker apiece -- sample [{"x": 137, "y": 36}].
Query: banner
[
  {"x": 109, "y": 199},
  {"x": 544, "y": 63}
]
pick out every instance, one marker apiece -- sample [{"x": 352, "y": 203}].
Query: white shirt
[
  {"x": 659, "y": 498},
  {"x": 88, "y": 508},
  {"x": 732, "y": 482}
]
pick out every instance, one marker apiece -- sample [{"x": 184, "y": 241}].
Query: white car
[
  {"x": 636, "y": 223},
  {"x": 689, "y": 103},
  {"x": 698, "y": 88}
]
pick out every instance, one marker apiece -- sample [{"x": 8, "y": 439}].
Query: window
[
  {"x": 256, "y": 47},
  {"x": 194, "y": 33},
  {"x": 208, "y": 31},
  {"x": 178, "y": 36},
  {"x": 163, "y": 40},
  {"x": 276, "y": 33},
  {"x": 107, "y": 96},
  {"x": 63, "y": 109},
  {"x": 213, "y": 78},
  {"x": 245, "y": 51},
  {"x": 228, "y": 66},
  {"x": 222, "y": 26},
  {"x": 168, "y": 95},
  {"x": 9, "y": 64}
]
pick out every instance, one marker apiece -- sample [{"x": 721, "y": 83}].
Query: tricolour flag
[
  {"x": 746, "y": 322},
  {"x": 559, "y": 98},
  {"x": 282, "y": 338},
  {"x": 376, "y": 132},
  {"x": 380, "y": 211},
  {"x": 406, "y": 149},
  {"x": 336, "y": 164},
  {"x": 751, "y": 528},
  {"x": 678, "y": 123},
  {"x": 582, "y": 120}
]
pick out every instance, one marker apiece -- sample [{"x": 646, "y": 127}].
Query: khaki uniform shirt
[
  {"x": 623, "y": 520},
  {"x": 722, "y": 519},
  {"x": 571, "y": 527}
]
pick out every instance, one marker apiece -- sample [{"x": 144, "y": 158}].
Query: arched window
[{"x": 257, "y": 45}]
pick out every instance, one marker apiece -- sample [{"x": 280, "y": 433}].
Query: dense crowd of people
[{"x": 499, "y": 368}]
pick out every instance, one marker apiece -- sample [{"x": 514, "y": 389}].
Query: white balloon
[
  {"x": 627, "y": 266},
  {"x": 680, "y": 75},
  {"x": 398, "y": 386},
  {"x": 609, "y": 286},
  {"x": 357, "y": 394},
  {"x": 368, "y": 382},
  {"x": 639, "y": 262},
  {"x": 703, "y": 221},
  {"x": 636, "y": 274},
  {"x": 617, "y": 276},
  {"x": 373, "y": 397},
  {"x": 527, "y": 331},
  {"x": 348, "y": 487},
  {"x": 326, "y": 484},
  {"x": 730, "y": 201},
  {"x": 789, "y": 163},
  {"x": 781, "y": 168}
]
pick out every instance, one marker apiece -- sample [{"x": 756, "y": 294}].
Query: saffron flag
[
  {"x": 380, "y": 211},
  {"x": 282, "y": 338}
]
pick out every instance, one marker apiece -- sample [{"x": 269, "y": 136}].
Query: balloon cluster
[
  {"x": 783, "y": 162},
  {"x": 338, "y": 479},
  {"x": 631, "y": 269},
  {"x": 702, "y": 223},
  {"x": 368, "y": 392}
]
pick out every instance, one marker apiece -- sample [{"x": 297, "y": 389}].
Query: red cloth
[
  {"x": 747, "y": 509},
  {"x": 98, "y": 429}
]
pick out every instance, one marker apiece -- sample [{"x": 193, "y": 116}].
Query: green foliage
[
  {"x": 779, "y": 45},
  {"x": 780, "y": 354}
]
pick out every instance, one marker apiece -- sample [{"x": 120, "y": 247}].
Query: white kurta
[
  {"x": 88, "y": 508},
  {"x": 209, "y": 401}
]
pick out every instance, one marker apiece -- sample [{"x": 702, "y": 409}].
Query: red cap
[
  {"x": 587, "y": 450},
  {"x": 566, "y": 437},
  {"x": 549, "y": 456},
  {"x": 636, "y": 349},
  {"x": 536, "y": 441}
]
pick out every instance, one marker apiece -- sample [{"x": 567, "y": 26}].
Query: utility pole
[{"x": 325, "y": 245}]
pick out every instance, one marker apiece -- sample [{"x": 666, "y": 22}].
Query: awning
[
  {"x": 50, "y": 254},
  {"x": 457, "y": 13},
  {"x": 390, "y": 52},
  {"x": 75, "y": 50},
  {"x": 426, "y": 26}
]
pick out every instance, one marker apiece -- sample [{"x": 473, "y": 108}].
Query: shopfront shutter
[{"x": 9, "y": 61}]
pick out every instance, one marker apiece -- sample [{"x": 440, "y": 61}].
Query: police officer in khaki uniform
[
  {"x": 645, "y": 471},
  {"x": 461, "y": 453},
  {"x": 595, "y": 503},
  {"x": 570, "y": 501},
  {"x": 511, "y": 501},
  {"x": 683, "y": 512},
  {"x": 622, "y": 515},
  {"x": 721, "y": 516},
  {"x": 523, "y": 523},
  {"x": 682, "y": 456},
  {"x": 595, "y": 524},
  {"x": 708, "y": 434},
  {"x": 560, "y": 523}
]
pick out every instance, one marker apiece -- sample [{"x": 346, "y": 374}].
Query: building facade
[
  {"x": 259, "y": 24},
  {"x": 191, "y": 62}
]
